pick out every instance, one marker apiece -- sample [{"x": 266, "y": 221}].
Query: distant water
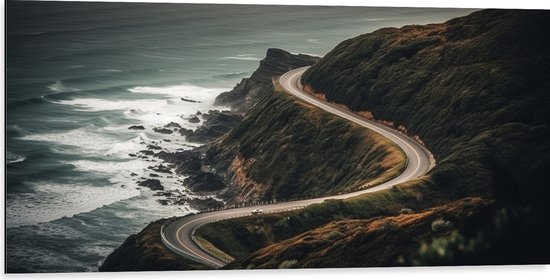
[{"x": 79, "y": 74}]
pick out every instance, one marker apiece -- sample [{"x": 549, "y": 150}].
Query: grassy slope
[
  {"x": 286, "y": 149},
  {"x": 475, "y": 90},
  {"x": 380, "y": 241}
]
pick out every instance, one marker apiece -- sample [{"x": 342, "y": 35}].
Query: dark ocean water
[{"x": 79, "y": 74}]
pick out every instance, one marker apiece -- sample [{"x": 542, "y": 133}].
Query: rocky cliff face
[{"x": 250, "y": 90}]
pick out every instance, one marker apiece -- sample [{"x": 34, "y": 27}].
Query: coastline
[{"x": 200, "y": 179}]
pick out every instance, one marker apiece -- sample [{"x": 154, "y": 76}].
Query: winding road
[{"x": 178, "y": 234}]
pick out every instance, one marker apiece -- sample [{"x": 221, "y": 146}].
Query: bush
[
  {"x": 439, "y": 225},
  {"x": 288, "y": 264},
  {"x": 335, "y": 234}
]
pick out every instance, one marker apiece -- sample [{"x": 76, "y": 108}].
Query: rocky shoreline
[{"x": 200, "y": 179}]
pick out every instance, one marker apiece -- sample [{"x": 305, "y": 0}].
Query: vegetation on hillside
[
  {"x": 475, "y": 90},
  {"x": 286, "y": 149}
]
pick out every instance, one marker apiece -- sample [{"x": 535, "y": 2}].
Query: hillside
[
  {"x": 145, "y": 252},
  {"x": 285, "y": 149},
  {"x": 474, "y": 89},
  {"x": 318, "y": 154},
  {"x": 469, "y": 87}
]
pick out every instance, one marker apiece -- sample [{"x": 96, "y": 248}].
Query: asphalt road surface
[{"x": 177, "y": 235}]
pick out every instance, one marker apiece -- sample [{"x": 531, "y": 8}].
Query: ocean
[{"x": 79, "y": 74}]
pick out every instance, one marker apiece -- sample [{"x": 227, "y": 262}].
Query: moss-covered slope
[{"x": 286, "y": 149}]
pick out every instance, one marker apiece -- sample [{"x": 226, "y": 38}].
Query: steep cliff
[{"x": 250, "y": 90}]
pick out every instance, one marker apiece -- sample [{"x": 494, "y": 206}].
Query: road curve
[{"x": 178, "y": 234}]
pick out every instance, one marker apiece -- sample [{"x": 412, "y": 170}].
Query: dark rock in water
[
  {"x": 189, "y": 100},
  {"x": 147, "y": 152},
  {"x": 198, "y": 113},
  {"x": 137, "y": 127},
  {"x": 154, "y": 147},
  {"x": 247, "y": 93},
  {"x": 166, "y": 140},
  {"x": 153, "y": 184},
  {"x": 162, "y": 130},
  {"x": 186, "y": 162},
  {"x": 133, "y": 174},
  {"x": 152, "y": 175},
  {"x": 182, "y": 201},
  {"x": 166, "y": 194},
  {"x": 132, "y": 155},
  {"x": 194, "y": 119},
  {"x": 204, "y": 182},
  {"x": 162, "y": 201},
  {"x": 173, "y": 124},
  {"x": 217, "y": 124},
  {"x": 205, "y": 204},
  {"x": 161, "y": 168},
  {"x": 185, "y": 132}
]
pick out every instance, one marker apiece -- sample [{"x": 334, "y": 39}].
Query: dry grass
[{"x": 213, "y": 249}]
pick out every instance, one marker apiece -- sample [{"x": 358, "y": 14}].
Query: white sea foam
[
  {"x": 163, "y": 57},
  {"x": 183, "y": 90},
  {"x": 13, "y": 158},
  {"x": 58, "y": 86},
  {"x": 125, "y": 147},
  {"x": 97, "y": 105},
  {"x": 109, "y": 167},
  {"x": 111, "y": 70},
  {"x": 106, "y": 150},
  {"x": 155, "y": 111},
  {"x": 241, "y": 57},
  {"x": 54, "y": 201},
  {"x": 85, "y": 139},
  {"x": 376, "y": 19}
]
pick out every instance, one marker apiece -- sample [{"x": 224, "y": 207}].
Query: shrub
[
  {"x": 439, "y": 225},
  {"x": 288, "y": 264},
  {"x": 334, "y": 235}
]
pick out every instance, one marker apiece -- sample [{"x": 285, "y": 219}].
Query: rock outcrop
[
  {"x": 153, "y": 184},
  {"x": 250, "y": 90}
]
